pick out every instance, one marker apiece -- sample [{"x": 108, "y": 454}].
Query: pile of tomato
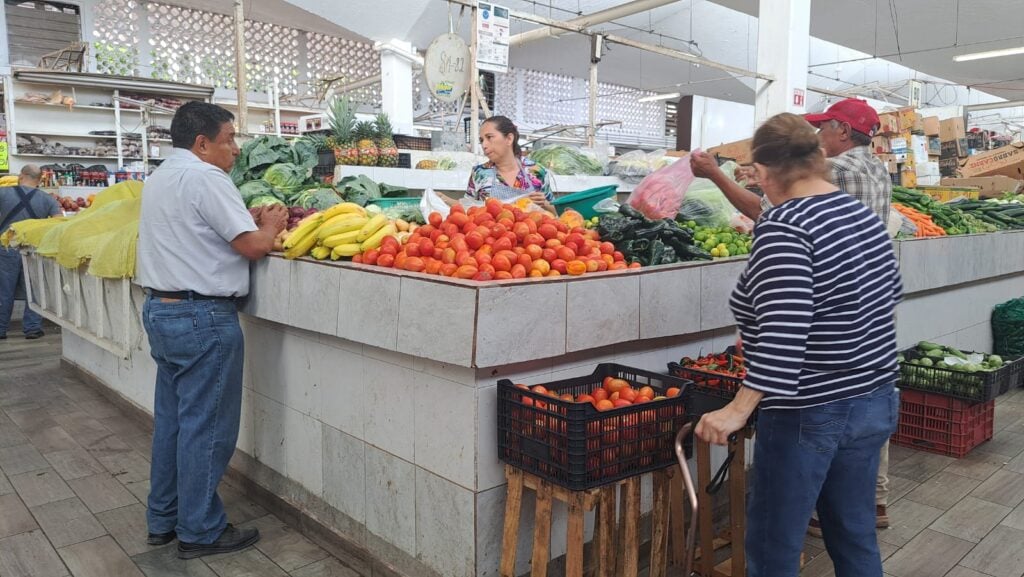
[{"x": 497, "y": 241}]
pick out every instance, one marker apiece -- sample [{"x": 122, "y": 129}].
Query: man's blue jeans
[
  {"x": 198, "y": 349},
  {"x": 824, "y": 456},
  {"x": 10, "y": 281}
]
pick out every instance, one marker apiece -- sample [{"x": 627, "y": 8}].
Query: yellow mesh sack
[
  {"x": 79, "y": 240},
  {"x": 8, "y": 180},
  {"x": 114, "y": 253},
  {"x": 127, "y": 190},
  {"x": 29, "y": 232}
]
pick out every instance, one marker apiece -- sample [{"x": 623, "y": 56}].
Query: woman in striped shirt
[{"x": 815, "y": 311}]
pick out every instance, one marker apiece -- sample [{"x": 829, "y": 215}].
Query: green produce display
[
  {"x": 947, "y": 370},
  {"x": 649, "y": 242},
  {"x": 720, "y": 242},
  {"x": 561, "y": 159},
  {"x": 952, "y": 220},
  {"x": 361, "y": 190},
  {"x": 997, "y": 214},
  {"x": 262, "y": 152}
]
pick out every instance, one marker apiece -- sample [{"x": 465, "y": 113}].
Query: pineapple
[
  {"x": 343, "y": 118},
  {"x": 385, "y": 144},
  {"x": 320, "y": 142},
  {"x": 368, "y": 153}
]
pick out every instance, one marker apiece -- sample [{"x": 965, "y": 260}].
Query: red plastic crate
[{"x": 944, "y": 425}]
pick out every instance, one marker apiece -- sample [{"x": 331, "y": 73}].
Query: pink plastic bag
[{"x": 661, "y": 193}]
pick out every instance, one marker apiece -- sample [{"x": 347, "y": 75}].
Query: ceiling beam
[{"x": 587, "y": 20}]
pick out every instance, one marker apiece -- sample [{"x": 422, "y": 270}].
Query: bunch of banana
[
  {"x": 306, "y": 237},
  {"x": 342, "y": 231}
]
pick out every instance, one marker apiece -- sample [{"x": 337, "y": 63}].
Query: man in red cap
[{"x": 845, "y": 131}]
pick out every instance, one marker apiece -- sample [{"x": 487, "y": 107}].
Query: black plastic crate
[
  {"x": 976, "y": 387},
  {"x": 574, "y": 445},
  {"x": 405, "y": 142},
  {"x": 1014, "y": 374},
  {"x": 710, "y": 391}
]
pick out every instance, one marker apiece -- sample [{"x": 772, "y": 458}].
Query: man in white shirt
[{"x": 196, "y": 239}]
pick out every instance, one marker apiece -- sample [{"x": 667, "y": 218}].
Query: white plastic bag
[{"x": 432, "y": 202}]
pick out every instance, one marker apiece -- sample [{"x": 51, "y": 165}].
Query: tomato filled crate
[
  {"x": 940, "y": 424},
  {"x": 923, "y": 372},
  {"x": 716, "y": 376},
  {"x": 554, "y": 430}
]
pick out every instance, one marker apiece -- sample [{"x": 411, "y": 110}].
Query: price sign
[{"x": 492, "y": 33}]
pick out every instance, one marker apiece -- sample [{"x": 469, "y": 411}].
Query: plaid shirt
[{"x": 860, "y": 174}]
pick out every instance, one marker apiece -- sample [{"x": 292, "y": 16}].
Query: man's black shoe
[
  {"x": 158, "y": 539},
  {"x": 232, "y": 539},
  {"x": 34, "y": 335}
]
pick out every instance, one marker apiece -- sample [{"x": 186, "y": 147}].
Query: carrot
[{"x": 926, "y": 227}]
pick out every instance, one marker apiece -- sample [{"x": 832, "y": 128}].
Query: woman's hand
[
  {"x": 703, "y": 165},
  {"x": 716, "y": 426},
  {"x": 540, "y": 200}
]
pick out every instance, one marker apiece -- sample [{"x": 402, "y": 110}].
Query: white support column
[
  {"x": 783, "y": 45},
  {"x": 396, "y": 61}
]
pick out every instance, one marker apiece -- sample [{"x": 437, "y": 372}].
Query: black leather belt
[{"x": 186, "y": 295}]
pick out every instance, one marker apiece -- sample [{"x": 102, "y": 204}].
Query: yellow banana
[
  {"x": 345, "y": 251},
  {"x": 344, "y": 208},
  {"x": 341, "y": 223},
  {"x": 343, "y": 238},
  {"x": 302, "y": 247},
  {"x": 305, "y": 228},
  {"x": 371, "y": 227},
  {"x": 378, "y": 237},
  {"x": 320, "y": 252}
]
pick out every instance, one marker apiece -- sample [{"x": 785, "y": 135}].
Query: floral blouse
[{"x": 485, "y": 178}]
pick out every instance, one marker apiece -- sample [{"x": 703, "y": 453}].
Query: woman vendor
[{"x": 506, "y": 174}]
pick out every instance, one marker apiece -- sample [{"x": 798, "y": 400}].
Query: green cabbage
[
  {"x": 264, "y": 201},
  {"x": 254, "y": 189},
  {"x": 320, "y": 198},
  {"x": 286, "y": 177}
]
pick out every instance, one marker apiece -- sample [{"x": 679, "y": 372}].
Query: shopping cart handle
[{"x": 691, "y": 494}]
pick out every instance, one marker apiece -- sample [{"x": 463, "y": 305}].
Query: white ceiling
[
  {"x": 931, "y": 32},
  {"x": 928, "y": 31}
]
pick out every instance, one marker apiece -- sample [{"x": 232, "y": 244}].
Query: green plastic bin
[
  {"x": 389, "y": 202},
  {"x": 583, "y": 202}
]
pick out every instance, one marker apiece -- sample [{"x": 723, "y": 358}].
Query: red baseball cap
[{"x": 855, "y": 112}]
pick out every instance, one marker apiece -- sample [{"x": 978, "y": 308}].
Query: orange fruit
[
  {"x": 627, "y": 394},
  {"x": 604, "y": 405},
  {"x": 599, "y": 394},
  {"x": 646, "y": 392},
  {"x": 618, "y": 403},
  {"x": 672, "y": 392}
]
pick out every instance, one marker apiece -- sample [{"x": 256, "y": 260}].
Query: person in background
[
  {"x": 18, "y": 203},
  {"x": 195, "y": 242},
  {"x": 844, "y": 132},
  {"x": 506, "y": 174},
  {"x": 815, "y": 307}
]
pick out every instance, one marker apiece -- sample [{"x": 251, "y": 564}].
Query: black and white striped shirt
[{"x": 815, "y": 304}]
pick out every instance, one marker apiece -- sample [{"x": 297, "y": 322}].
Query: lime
[{"x": 715, "y": 252}]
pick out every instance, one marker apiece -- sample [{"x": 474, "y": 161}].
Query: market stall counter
[{"x": 370, "y": 394}]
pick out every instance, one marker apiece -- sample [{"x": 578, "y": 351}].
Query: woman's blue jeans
[
  {"x": 824, "y": 457},
  {"x": 198, "y": 349}
]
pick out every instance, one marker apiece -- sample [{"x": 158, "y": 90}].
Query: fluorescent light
[
  {"x": 989, "y": 54},
  {"x": 428, "y": 128},
  {"x": 657, "y": 97}
]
